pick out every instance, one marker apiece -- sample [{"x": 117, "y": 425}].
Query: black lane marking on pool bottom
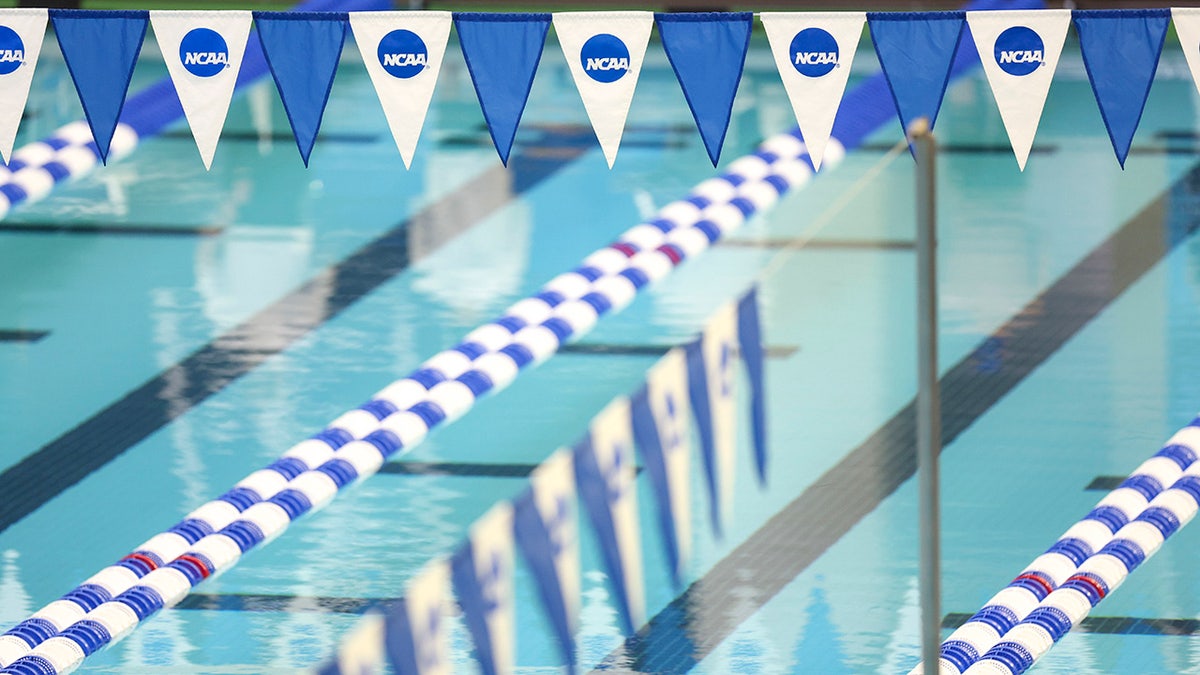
[
  {"x": 967, "y": 148},
  {"x": 461, "y": 469},
  {"x": 65, "y": 461},
  {"x": 627, "y": 349},
  {"x": 823, "y": 244},
  {"x": 250, "y": 602},
  {"x": 1106, "y": 483},
  {"x": 22, "y": 335},
  {"x": 131, "y": 229},
  {"x": 1110, "y": 625},
  {"x": 693, "y": 624},
  {"x": 251, "y": 136}
]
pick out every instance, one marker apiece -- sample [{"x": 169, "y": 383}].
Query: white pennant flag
[
  {"x": 1020, "y": 51},
  {"x": 403, "y": 54},
  {"x": 813, "y": 52},
  {"x": 612, "y": 450},
  {"x": 1187, "y": 25},
  {"x": 605, "y": 51},
  {"x": 426, "y": 607},
  {"x": 712, "y": 379},
  {"x": 667, "y": 401},
  {"x": 21, "y": 33},
  {"x": 203, "y": 52}
]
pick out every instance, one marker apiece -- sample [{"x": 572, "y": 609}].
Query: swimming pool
[{"x": 148, "y": 296}]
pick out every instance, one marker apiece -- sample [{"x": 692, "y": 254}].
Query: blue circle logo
[
  {"x": 204, "y": 52},
  {"x": 1019, "y": 51},
  {"x": 12, "y": 50},
  {"x": 403, "y": 54},
  {"x": 814, "y": 52},
  {"x": 605, "y": 58}
]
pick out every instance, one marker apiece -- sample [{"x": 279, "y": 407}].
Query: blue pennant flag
[
  {"x": 100, "y": 48},
  {"x": 916, "y": 50},
  {"x": 302, "y": 50},
  {"x": 605, "y": 473},
  {"x": 546, "y": 532},
  {"x": 502, "y": 53},
  {"x": 661, "y": 419},
  {"x": 1121, "y": 77},
  {"x": 750, "y": 346},
  {"x": 707, "y": 50}
]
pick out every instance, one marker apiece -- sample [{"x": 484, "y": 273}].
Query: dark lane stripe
[
  {"x": 835, "y": 244},
  {"x": 1105, "y": 483},
  {"x": 460, "y": 469},
  {"x": 131, "y": 229},
  {"x": 627, "y": 349},
  {"x": 66, "y": 460},
  {"x": 967, "y": 148},
  {"x": 22, "y": 335},
  {"x": 1111, "y": 625},
  {"x": 688, "y": 629},
  {"x": 281, "y": 603},
  {"x": 251, "y": 136}
]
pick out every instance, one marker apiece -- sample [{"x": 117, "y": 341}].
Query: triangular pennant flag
[
  {"x": 661, "y": 419},
  {"x": 483, "y": 581},
  {"x": 707, "y": 51},
  {"x": 361, "y": 651},
  {"x": 915, "y": 50},
  {"x": 302, "y": 50},
  {"x": 1121, "y": 78},
  {"x": 1020, "y": 51},
  {"x": 403, "y": 54},
  {"x": 547, "y": 533},
  {"x": 813, "y": 52},
  {"x": 1187, "y": 26},
  {"x": 21, "y": 33},
  {"x": 203, "y": 52},
  {"x": 604, "y": 51},
  {"x": 750, "y": 347},
  {"x": 711, "y": 380},
  {"x": 502, "y": 53},
  {"x": 606, "y": 472},
  {"x": 416, "y": 636},
  {"x": 100, "y": 48}
]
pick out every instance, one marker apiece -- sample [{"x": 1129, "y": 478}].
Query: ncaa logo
[
  {"x": 203, "y": 52},
  {"x": 403, "y": 54},
  {"x": 12, "y": 50},
  {"x": 814, "y": 52},
  {"x": 1019, "y": 51},
  {"x": 605, "y": 58}
]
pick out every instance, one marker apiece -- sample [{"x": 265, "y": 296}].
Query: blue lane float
[
  {"x": 1087, "y": 562},
  {"x": 211, "y": 539}
]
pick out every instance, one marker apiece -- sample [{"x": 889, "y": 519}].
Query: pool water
[{"x": 171, "y": 330}]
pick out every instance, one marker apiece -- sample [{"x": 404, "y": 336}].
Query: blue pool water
[{"x": 157, "y": 313}]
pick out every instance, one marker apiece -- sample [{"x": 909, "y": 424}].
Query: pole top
[{"x": 919, "y": 128}]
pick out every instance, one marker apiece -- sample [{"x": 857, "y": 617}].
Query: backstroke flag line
[
  {"x": 605, "y": 473},
  {"x": 100, "y": 48},
  {"x": 21, "y": 35},
  {"x": 915, "y": 50},
  {"x": 203, "y": 52},
  {"x": 502, "y": 53},
  {"x": 403, "y": 54},
  {"x": 1020, "y": 51},
  {"x": 302, "y": 50},
  {"x": 813, "y": 52},
  {"x": 604, "y": 51},
  {"x": 707, "y": 51},
  {"x": 482, "y": 571},
  {"x": 1121, "y": 77},
  {"x": 662, "y": 427}
]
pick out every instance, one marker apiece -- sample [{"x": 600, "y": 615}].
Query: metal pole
[{"x": 929, "y": 414}]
